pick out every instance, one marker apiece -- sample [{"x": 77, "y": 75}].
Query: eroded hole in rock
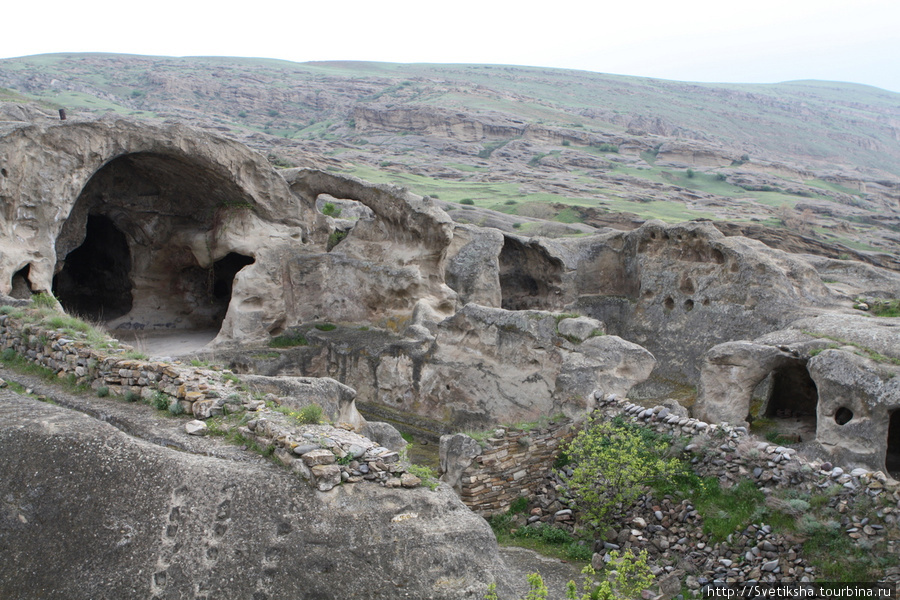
[
  {"x": 95, "y": 280},
  {"x": 669, "y": 303},
  {"x": 843, "y": 415},
  {"x": 21, "y": 283},
  {"x": 892, "y": 458},
  {"x": 688, "y": 305},
  {"x": 529, "y": 277},
  {"x": 793, "y": 401}
]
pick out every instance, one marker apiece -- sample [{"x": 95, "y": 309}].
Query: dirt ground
[{"x": 166, "y": 343}]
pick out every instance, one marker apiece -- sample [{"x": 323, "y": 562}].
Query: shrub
[
  {"x": 326, "y": 326},
  {"x": 613, "y": 464},
  {"x": 176, "y": 408},
  {"x": 131, "y": 396},
  {"x": 467, "y": 201},
  {"x": 335, "y": 238},
  {"x": 102, "y": 391},
  {"x": 330, "y": 210},
  {"x": 426, "y": 474},
  {"x": 629, "y": 576},
  {"x": 690, "y": 173},
  {"x": 310, "y": 414},
  {"x": 160, "y": 401}
]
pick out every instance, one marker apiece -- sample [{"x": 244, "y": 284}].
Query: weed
[
  {"x": 519, "y": 505},
  {"x": 326, "y": 326},
  {"x": 467, "y": 201},
  {"x": 43, "y": 300},
  {"x": 135, "y": 355},
  {"x": 231, "y": 377},
  {"x": 330, "y": 210},
  {"x": 102, "y": 391},
  {"x": 335, "y": 238},
  {"x": 176, "y": 408},
  {"x": 130, "y": 396},
  {"x": 160, "y": 400},
  {"x": 426, "y": 474}
]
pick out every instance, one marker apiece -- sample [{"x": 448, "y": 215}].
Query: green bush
[
  {"x": 467, "y": 201},
  {"x": 613, "y": 464},
  {"x": 335, "y": 238},
  {"x": 131, "y": 396},
  {"x": 176, "y": 408},
  {"x": 310, "y": 414},
  {"x": 102, "y": 391},
  {"x": 330, "y": 210},
  {"x": 326, "y": 326},
  {"x": 160, "y": 401}
]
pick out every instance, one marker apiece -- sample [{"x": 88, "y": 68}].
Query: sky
[{"x": 762, "y": 41}]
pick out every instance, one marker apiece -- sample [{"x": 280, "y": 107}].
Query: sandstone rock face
[
  {"x": 838, "y": 371},
  {"x": 90, "y": 512},
  {"x": 336, "y": 399}
]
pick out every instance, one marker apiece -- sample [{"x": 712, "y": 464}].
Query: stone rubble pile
[{"x": 671, "y": 530}]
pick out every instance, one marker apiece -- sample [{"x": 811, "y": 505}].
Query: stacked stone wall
[
  {"x": 199, "y": 390},
  {"x": 513, "y": 463}
]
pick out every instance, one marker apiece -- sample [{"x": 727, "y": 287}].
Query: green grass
[
  {"x": 543, "y": 538},
  {"x": 288, "y": 340}
]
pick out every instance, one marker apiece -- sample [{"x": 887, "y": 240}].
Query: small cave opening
[
  {"x": 892, "y": 458},
  {"x": 793, "y": 401},
  {"x": 224, "y": 271},
  {"x": 21, "y": 284},
  {"x": 94, "y": 281},
  {"x": 530, "y": 279}
]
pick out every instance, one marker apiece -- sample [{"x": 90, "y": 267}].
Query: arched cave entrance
[
  {"x": 892, "y": 458},
  {"x": 136, "y": 250},
  {"x": 21, "y": 287},
  {"x": 94, "y": 281},
  {"x": 530, "y": 279},
  {"x": 793, "y": 401}
]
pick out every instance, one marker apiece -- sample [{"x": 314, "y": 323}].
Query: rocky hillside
[{"x": 819, "y": 159}]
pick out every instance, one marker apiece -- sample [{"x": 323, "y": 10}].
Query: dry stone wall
[
  {"x": 512, "y": 463},
  {"x": 324, "y": 455}
]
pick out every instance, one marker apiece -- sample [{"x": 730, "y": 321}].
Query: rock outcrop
[{"x": 90, "y": 512}]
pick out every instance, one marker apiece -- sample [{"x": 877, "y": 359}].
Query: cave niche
[
  {"x": 793, "y": 400},
  {"x": 20, "y": 284},
  {"x": 95, "y": 279},
  {"x": 892, "y": 457},
  {"x": 530, "y": 279}
]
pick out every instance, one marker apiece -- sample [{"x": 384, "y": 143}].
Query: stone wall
[
  {"x": 512, "y": 463},
  {"x": 201, "y": 391}
]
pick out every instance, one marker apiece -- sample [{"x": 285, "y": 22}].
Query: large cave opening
[
  {"x": 892, "y": 458},
  {"x": 146, "y": 244},
  {"x": 530, "y": 279},
  {"x": 793, "y": 401},
  {"x": 94, "y": 282}
]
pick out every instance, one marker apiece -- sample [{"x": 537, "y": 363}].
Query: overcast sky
[{"x": 761, "y": 41}]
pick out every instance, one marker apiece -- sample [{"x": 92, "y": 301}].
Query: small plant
[
  {"x": 519, "y": 505},
  {"x": 330, "y": 210},
  {"x": 176, "y": 408},
  {"x": 136, "y": 355},
  {"x": 426, "y": 474},
  {"x": 467, "y": 201},
  {"x": 160, "y": 400},
  {"x": 8, "y": 355},
  {"x": 690, "y": 173},
  {"x": 43, "y": 300},
  {"x": 130, "y": 396},
  {"x": 335, "y": 238},
  {"x": 231, "y": 377},
  {"x": 311, "y": 414},
  {"x": 326, "y": 326},
  {"x": 102, "y": 391}
]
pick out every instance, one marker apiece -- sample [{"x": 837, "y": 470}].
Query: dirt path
[{"x": 166, "y": 343}]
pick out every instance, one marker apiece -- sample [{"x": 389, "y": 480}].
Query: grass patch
[
  {"x": 724, "y": 511},
  {"x": 288, "y": 340},
  {"x": 542, "y": 538},
  {"x": 426, "y": 474},
  {"x": 326, "y": 326}
]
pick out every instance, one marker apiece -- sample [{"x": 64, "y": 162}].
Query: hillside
[{"x": 821, "y": 159}]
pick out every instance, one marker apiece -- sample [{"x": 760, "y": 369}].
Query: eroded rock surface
[{"x": 91, "y": 512}]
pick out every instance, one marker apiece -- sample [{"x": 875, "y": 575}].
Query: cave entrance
[
  {"x": 95, "y": 280},
  {"x": 793, "y": 402},
  {"x": 530, "y": 279},
  {"x": 892, "y": 458},
  {"x": 21, "y": 287},
  {"x": 222, "y": 277}
]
